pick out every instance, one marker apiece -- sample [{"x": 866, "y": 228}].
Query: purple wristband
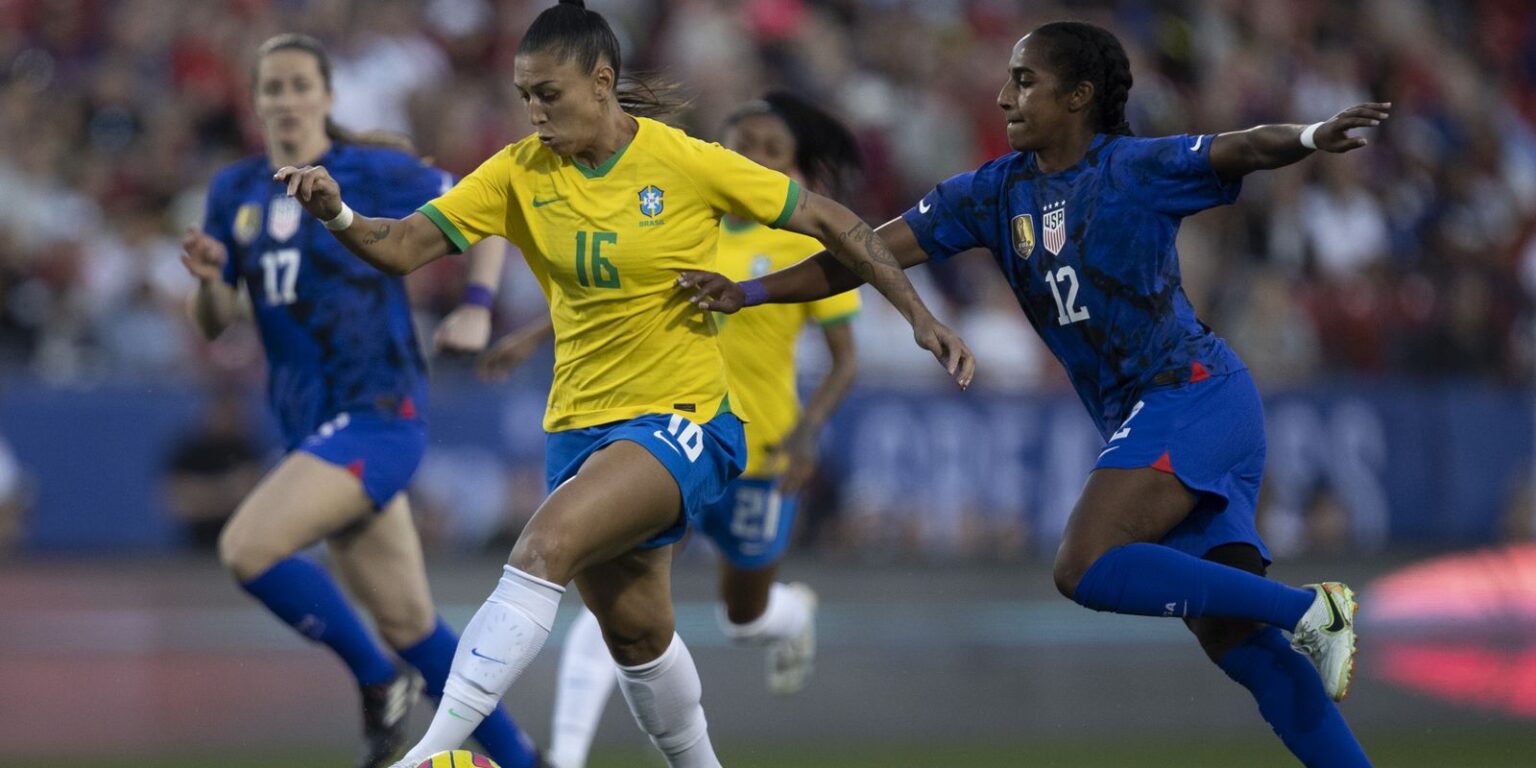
[
  {"x": 479, "y": 296},
  {"x": 753, "y": 293}
]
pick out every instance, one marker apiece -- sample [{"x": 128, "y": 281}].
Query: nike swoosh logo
[
  {"x": 1195, "y": 148},
  {"x": 1336, "y": 624},
  {"x": 668, "y": 443},
  {"x": 923, "y": 206},
  {"x": 454, "y": 713},
  {"x": 1106, "y": 451},
  {"x": 537, "y": 203},
  {"x": 476, "y": 652}
]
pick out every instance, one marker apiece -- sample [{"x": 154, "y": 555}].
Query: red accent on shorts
[
  {"x": 356, "y": 468},
  {"x": 1163, "y": 463},
  {"x": 481, "y": 761},
  {"x": 1197, "y": 372},
  {"x": 408, "y": 407}
]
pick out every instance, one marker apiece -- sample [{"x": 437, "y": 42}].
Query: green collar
[{"x": 613, "y": 159}]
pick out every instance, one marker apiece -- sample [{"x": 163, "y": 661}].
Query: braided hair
[
  {"x": 1079, "y": 51},
  {"x": 571, "y": 30},
  {"x": 825, "y": 150}
]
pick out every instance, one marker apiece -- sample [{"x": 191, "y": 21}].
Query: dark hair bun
[{"x": 578, "y": 3}]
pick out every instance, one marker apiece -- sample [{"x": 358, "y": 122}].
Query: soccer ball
[{"x": 458, "y": 758}]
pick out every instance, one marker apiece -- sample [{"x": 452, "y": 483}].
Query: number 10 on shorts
[{"x": 684, "y": 436}]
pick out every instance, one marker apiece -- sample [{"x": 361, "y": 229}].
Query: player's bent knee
[
  {"x": 632, "y": 652},
  {"x": 405, "y": 624},
  {"x": 632, "y": 646},
  {"x": 544, "y": 554},
  {"x": 246, "y": 556},
  {"x": 405, "y": 633},
  {"x": 1071, "y": 563}
]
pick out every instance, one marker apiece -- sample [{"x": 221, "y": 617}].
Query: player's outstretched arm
[
  {"x": 856, "y": 246},
  {"x": 395, "y": 246},
  {"x": 816, "y": 277},
  {"x": 1239, "y": 153}
]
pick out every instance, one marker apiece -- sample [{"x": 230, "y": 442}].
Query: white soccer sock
[
  {"x": 785, "y": 617},
  {"x": 497, "y": 645},
  {"x": 665, "y": 697},
  {"x": 587, "y": 676}
]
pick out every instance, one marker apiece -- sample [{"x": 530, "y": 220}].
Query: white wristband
[
  {"x": 1308, "y": 136},
  {"x": 344, "y": 219}
]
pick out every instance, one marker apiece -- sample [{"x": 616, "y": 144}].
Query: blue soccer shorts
[
  {"x": 702, "y": 458},
  {"x": 1210, "y": 435},
  {"x": 381, "y": 451},
  {"x": 751, "y": 523}
]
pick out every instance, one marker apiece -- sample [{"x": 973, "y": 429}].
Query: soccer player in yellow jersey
[
  {"x": 608, "y": 208},
  {"x": 751, "y": 524}
]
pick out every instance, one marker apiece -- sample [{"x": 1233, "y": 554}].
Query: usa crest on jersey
[
  {"x": 1024, "y": 235},
  {"x": 283, "y": 217},
  {"x": 1054, "y": 222},
  {"x": 650, "y": 201}
]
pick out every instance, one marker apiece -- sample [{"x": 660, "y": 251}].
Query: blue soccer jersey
[
  {"x": 337, "y": 332},
  {"x": 1089, "y": 252}
]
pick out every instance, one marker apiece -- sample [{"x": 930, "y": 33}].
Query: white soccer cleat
[
  {"x": 791, "y": 660},
  {"x": 1326, "y": 634}
]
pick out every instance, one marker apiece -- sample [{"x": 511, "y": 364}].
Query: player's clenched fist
[
  {"x": 314, "y": 188},
  {"x": 202, "y": 255}
]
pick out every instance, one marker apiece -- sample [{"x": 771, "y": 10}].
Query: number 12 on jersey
[
  {"x": 603, "y": 273},
  {"x": 1066, "y": 311}
]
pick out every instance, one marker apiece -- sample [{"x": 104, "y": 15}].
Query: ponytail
[{"x": 570, "y": 30}]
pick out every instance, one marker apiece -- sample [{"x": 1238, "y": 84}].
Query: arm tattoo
[
  {"x": 871, "y": 259},
  {"x": 376, "y": 235}
]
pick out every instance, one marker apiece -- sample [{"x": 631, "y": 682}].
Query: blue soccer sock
[
  {"x": 303, "y": 594},
  {"x": 1153, "y": 580},
  {"x": 1291, "y": 699},
  {"x": 498, "y": 734}
]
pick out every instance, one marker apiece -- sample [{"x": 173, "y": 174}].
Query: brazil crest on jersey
[
  {"x": 1089, "y": 252},
  {"x": 337, "y": 332},
  {"x": 606, "y": 245}
]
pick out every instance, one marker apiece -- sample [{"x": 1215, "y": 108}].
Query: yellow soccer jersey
[
  {"x": 606, "y": 245},
  {"x": 759, "y": 343}
]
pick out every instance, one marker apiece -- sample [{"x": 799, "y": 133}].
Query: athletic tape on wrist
[
  {"x": 341, "y": 220},
  {"x": 1308, "y": 136}
]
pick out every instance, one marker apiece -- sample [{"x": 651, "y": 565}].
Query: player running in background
[
  {"x": 608, "y": 206},
  {"x": 348, "y": 384},
  {"x": 1082, "y": 220},
  {"x": 752, "y": 523}
]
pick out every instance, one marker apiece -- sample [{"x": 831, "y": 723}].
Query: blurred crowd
[{"x": 1414, "y": 257}]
